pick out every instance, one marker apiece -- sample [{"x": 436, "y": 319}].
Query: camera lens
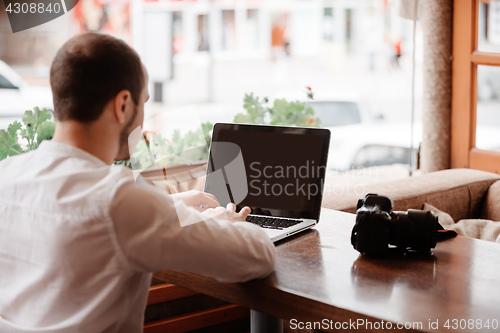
[{"x": 415, "y": 229}]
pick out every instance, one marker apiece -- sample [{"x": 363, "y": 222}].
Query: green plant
[
  {"x": 281, "y": 112},
  {"x": 178, "y": 149},
  {"x": 38, "y": 125}
]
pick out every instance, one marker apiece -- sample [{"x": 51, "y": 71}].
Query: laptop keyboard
[{"x": 278, "y": 223}]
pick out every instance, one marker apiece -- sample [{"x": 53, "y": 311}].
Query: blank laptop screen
[{"x": 284, "y": 168}]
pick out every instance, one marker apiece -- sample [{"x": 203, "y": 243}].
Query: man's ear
[{"x": 123, "y": 105}]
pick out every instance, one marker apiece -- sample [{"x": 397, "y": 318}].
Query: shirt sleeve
[{"x": 150, "y": 235}]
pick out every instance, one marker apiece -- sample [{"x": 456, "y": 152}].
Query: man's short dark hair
[{"x": 89, "y": 71}]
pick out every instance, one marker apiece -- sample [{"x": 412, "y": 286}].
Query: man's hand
[
  {"x": 228, "y": 213},
  {"x": 199, "y": 200}
]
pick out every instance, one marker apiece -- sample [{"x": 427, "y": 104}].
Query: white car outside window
[{"x": 16, "y": 96}]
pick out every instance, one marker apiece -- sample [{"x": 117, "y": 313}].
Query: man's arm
[{"x": 149, "y": 233}]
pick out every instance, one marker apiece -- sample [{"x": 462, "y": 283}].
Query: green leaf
[
  {"x": 257, "y": 113},
  {"x": 125, "y": 163},
  {"x": 240, "y": 118},
  {"x": 36, "y": 117},
  {"x": 282, "y": 112},
  {"x": 45, "y": 131},
  {"x": 13, "y": 128},
  {"x": 207, "y": 128},
  {"x": 8, "y": 141},
  {"x": 33, "y": 120},
  {"x": 29, "y": 131},
  {"x": 38, "y": 126}
]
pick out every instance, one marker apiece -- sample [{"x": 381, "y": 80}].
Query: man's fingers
[
  {"x": 214, "y": 212},
  {"x": 231, "y": 207},
  {"x": 244, "y": 212},
  {"x": 228, "y": 213}
]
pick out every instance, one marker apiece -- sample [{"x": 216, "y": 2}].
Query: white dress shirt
[{"x": 79, "y": 240}]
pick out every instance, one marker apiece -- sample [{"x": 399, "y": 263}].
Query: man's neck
[{"x": 93, "y": 138}]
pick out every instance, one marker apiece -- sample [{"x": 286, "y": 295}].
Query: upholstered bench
[{"x": 462, "y": 193}]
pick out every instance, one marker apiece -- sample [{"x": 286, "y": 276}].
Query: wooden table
[{"x": 320, "y": 278}]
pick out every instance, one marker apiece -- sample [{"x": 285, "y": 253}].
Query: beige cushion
[
  {"x": 479, "y": 228},
  {"x": 491, "y": 209},
  {"x": 474, "y": 228},
  {"x": 459, "y": 192}
]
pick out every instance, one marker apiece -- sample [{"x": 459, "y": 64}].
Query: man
[{"x": 78, "y": 238}]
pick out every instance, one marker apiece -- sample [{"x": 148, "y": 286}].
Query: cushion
[
  {"x": 491, "y": 208},
  {"x": 474, "y": 228},
  {"x": 459, "y": 192},
  {"x": 479, "y": 228}
]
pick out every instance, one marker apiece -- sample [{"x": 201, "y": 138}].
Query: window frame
[{"x": 466, "y": 58}]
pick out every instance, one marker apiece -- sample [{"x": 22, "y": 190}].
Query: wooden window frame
[{"x": 466, "y": 58}]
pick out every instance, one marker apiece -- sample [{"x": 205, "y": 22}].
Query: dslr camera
[{"x": 378, "y": 227}]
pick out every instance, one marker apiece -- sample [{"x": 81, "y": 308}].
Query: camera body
[{"x": 377, "y": 227}]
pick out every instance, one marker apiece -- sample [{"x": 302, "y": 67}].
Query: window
[
  {"x": 252, "y": 38},
  {"x": 489, "y": 26},
  {"x": 488, "y": 108},
  {"x": 228, "y": 40},
  {"x": 476, "y": 89},
  {"x": 203, "y": 44},
  {"x": 177, "y": 33},
  {"x": 328, "y": 28}
]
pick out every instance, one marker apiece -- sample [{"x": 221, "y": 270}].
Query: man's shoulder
[
  {"x": 119, "y": 175},
  {"x": 16, "y": 163},
  {"x": 65, "y": 182}
]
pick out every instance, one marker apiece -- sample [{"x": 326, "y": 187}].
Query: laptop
[{"x": 277, "y": 171}]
